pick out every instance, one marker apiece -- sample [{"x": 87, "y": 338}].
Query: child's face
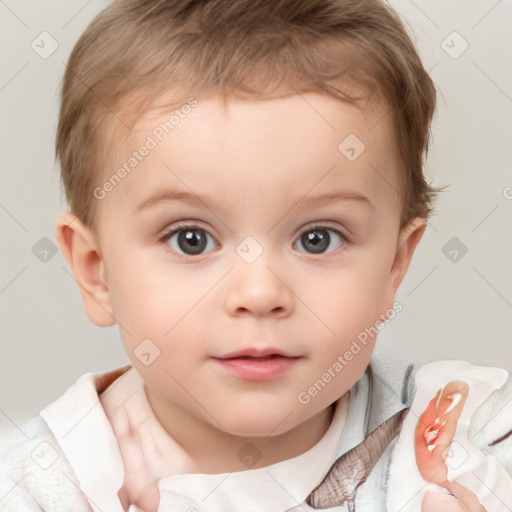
[{"x": 250, "y": 182}]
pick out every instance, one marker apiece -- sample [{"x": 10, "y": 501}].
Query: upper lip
[{"x": 254, "y": 352}]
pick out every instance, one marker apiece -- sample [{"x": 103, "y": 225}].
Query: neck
[{"x": 216, "y": 451}]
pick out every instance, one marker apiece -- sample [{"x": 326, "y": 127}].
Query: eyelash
[
  {"x": 176, "y": 228},
  {"x": 319, "y": 225},
  {"x": 164, "y": 238}
]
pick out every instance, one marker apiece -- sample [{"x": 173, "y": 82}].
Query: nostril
[{"x": 279, "y": 310}]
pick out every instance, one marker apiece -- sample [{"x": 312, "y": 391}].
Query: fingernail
[
  {"x": 455, "y": 398},
  {"x": 439, "y": 394},
  {"x": 431, "y": 433}
]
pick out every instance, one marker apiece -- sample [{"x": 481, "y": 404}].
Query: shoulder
[
  {"x": 19, "y": 444},
  {"x": 34, "y": 474}
]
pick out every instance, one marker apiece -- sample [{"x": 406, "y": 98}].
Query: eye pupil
[
  {"x": 316, "y": 241},
  {"x": 192, "y": 241}
]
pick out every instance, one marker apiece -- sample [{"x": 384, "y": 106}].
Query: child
[{"x": 250, "y": 129}]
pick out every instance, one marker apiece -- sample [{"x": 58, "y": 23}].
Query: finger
[
  {"x": 442, "y": 432},
  {"x": 439, "y": 501},
  {"x": 137, "y": 481},
  {"x": 426, "y": 419},
  {"x": 436, "y": 429},
  {"x": 467, "y": 498},
  {"x": 139, "y": 485},
  {"x": 145, "y": 498},
  {"x": 123, "y": 498},
  {"x": 430, "y": 465},
  {"x": 133, "y": 459}
]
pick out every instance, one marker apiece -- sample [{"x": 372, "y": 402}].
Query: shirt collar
[
  {"x": 274, "y": 488},
  {"x": 85, "y": 436}
]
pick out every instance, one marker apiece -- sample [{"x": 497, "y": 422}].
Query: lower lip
[{"x": 257, "y": 369}]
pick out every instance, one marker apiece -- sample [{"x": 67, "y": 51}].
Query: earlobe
[{"x": 80, "y": 247}]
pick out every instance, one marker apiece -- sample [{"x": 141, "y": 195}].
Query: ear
[
  {"x": 408, "y": 239},
  {"x": 81, "y": 249}
]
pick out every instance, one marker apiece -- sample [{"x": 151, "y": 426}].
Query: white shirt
[{"x": 76, "y": 441}]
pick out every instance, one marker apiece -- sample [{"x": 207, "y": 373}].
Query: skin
[
  {"x": 431, "y": 463},
  {"x": 255, "y": 165}
]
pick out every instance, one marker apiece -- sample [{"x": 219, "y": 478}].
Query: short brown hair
[{"x": 138, "y": 49}]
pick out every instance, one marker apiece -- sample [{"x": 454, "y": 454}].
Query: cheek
[
  {"x": 152, "y": 299},
  {"x": 349, "y": 327},
  {"x": 351, "y": 300},
  {"x": 349, "y": 306},
  {"x": 164, "y": 309},
  {"x": 372, "y": 279}
]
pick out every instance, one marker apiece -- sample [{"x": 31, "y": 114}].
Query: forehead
[{"x": 265, "y": 150}]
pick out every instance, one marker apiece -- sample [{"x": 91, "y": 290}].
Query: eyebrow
[
  {"x": 305, "y": 202},
  {"x": 164, "y": 196},
  {"x": 332, "y": 197}
]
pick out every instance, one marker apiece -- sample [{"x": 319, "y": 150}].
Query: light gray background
[{"x": 452, "y": 309}]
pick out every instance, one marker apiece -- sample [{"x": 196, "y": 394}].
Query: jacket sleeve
[
  {"x": 36, "y": 476},
  {"x": 490, "y": 429}
]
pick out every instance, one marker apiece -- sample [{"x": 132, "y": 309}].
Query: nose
[{"x": 257, "y": 290}]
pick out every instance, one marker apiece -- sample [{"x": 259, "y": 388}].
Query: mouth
[
  {"x": 256, "y": 364},
  {"x": 255, "y": 353}
]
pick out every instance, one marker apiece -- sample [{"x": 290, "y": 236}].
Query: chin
[{"x": 256, "y": 424}]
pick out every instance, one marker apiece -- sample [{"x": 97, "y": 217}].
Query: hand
[
  {"x": 139, "y": 486},
  {"x": 434, "y": 434}
]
